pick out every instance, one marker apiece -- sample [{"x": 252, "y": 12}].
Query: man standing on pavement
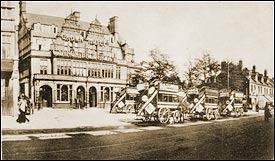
[{"x": 267, "y": 113}]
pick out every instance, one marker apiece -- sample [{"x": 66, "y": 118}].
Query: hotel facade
[{"x": 64, "y": 62}]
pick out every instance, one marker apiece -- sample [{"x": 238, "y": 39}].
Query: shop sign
[
  {"x": 71, "y": 38},
  {"x": 73, "y": 54},
  {"x": 99, "y": 42}
]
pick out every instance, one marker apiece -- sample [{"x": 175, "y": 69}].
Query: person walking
[
  {"x": 22, "y": 109},
  {"x": 267, "y": 113}
]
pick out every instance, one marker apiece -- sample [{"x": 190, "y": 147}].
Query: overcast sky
[{"x": 183, "y": 30}]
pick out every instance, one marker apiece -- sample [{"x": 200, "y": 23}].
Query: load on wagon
[
  {"x": 126, "y": 101},
  {"x": 160, "y": 102},
  {"x": 203, "y": 103},
  {"x": 231, "y": 103}
]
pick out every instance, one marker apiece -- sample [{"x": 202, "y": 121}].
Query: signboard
[
  {"x": 71, "y": 38},
  {"x": 230, "y": 107},
  {"x": 169, "y": 87},
  {"x": 224, "y": 94},
  {"x": 193, "y": 91},
  {"x": 199, "y": 108},
  {"x": 240, "y": 95},
  {"x": 73, "y": 54},
  {"x": 131, "y": 91},
  {"x": 150, "y": 108},
  {"x": 212, "y": 92},
  {"x": 120, "y": 104}
]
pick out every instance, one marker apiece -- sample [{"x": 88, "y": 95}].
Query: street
[{"x": 240, "y": 138}]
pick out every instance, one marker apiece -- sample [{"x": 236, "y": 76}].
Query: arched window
[{"x": 64, "y": 93}]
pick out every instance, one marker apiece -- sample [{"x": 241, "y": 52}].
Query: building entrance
[
  {"x": 92, "y": 97},
  {"x": 46, "y": 96}
]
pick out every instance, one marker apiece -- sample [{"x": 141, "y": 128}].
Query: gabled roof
[{"x": 32, "y": 18}]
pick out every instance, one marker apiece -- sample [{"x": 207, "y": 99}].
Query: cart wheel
[
  {"x": 208, "y": 114},
  {"x": 177, "y": 116},
  {"x": 163, "y": 115}
]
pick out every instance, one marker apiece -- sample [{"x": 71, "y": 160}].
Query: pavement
[
  {"x": 51, "y": 120},
  {"x": 62, "y": 120}
]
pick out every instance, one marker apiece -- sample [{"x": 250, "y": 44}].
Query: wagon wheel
[
  {"x": 208, "y": 113},
  {"x": 177, "y": 116},
  {"x": 163, "y": 115}
]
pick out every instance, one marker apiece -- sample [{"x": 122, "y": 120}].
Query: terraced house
[
  {"x": 65, "y": 61},
  {"x": 261, "y": 88}
]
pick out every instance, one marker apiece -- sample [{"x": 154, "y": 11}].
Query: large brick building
[
  {"x": 64, "y": 61},
  {"x": 9, "y": 58}
]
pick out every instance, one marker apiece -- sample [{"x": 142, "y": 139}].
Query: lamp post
[{"x": 227, "y": 75}]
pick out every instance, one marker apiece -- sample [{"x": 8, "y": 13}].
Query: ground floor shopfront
[
  {"x": 74, "y": 92},
  {"x": 9, "y": 88},
  {"x": 259, "y": 101}
]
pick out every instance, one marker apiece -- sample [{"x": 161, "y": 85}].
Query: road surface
[{"x": 241, "y": 138}]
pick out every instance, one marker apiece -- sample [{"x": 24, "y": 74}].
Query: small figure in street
[
  {"x": 39, "y": 102},
  {"x": 22, "y": 109},
  {"x": 267, "y": 113},
  {"x": 30, "y": 104}
]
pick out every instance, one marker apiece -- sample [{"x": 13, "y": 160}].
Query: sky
[{"x": 230, "y": 31}]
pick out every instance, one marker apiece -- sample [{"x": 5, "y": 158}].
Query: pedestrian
[
  {"x": 39, "y": 102},
  {"x": 267, "y": 113},
  {"x": 22, "y": 110},
  {"x": 257, "y": 107},
  {"x": 30, "y": 104}
]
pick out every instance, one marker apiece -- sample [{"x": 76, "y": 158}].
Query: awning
[
  {"x": 269, "y": 98},
  {"x": 263, "y": 98}
]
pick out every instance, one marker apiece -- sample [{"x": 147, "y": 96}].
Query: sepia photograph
[{"x": 137, "y": 80}]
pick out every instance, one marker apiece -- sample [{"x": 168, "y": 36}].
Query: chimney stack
[
  {"x": 76, "y": 15},
  {"x": 113, "y": 25},
  {"x": 22, "y": 7}
]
